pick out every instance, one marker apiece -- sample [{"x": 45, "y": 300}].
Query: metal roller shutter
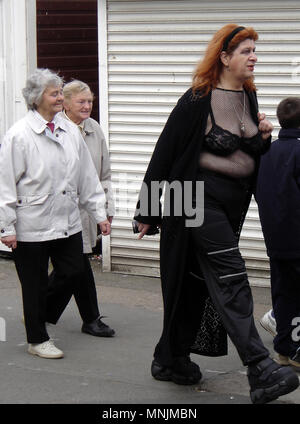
[{"x": 152, "y": 49}]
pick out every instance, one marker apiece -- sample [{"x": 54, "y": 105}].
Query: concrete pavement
[{"x": 113, "y": 370}]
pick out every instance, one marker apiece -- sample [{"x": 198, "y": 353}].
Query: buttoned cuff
[
  {"x": 100, "y": 218},
  {"x": 9, "y": 230}
]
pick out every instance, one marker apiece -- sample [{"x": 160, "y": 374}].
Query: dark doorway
[{"x": 67, "y": 41}]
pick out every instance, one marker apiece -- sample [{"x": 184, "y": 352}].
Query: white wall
[
  {"x": 103, "y": 105},
  {"x": 2, "y": 73},
  {"x": 17, "y": 57}
]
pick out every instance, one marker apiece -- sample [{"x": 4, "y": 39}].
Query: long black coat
[{"x": 176, "y": 158}]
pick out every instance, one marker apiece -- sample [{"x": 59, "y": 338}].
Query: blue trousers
[{"x": 285, "y": 289}]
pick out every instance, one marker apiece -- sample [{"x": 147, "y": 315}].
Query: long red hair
[{"x": 208, "y": 71}]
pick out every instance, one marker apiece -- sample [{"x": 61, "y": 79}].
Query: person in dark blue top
[{"x": 278, "y": 198}]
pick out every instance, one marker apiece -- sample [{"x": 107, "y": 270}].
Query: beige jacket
[{"x": 95, "y": 141}]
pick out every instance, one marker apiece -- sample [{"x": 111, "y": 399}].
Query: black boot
[
  {"x": 268, "y": 381},
  {"x": 159, "y": 372},
  {"x": 183, "y": 371}
]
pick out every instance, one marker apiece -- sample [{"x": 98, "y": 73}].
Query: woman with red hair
[{"x": 214, "y": 134}]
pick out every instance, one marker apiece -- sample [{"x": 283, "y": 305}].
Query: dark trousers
[
  {"x": 84, "y": 292},
  {"x": 285, "y": 289},
  {"x": 222, "y": 267},
  {"x": 32, "y": 261}
]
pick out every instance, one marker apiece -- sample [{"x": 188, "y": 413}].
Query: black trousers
[
  {"x": 221, "y": 265},
  {"x": 32, "y": 261},
  {"x": 84, "y": 291},
  {"x": 285, "y": 289}
]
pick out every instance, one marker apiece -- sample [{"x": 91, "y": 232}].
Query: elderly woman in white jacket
[
  {"x": 78, "y": 103},
  {"x": 43, "y": 179}
]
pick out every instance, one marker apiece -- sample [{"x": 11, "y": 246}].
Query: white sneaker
[
  {"x": 269, "y": 323},
  {"x": 45, "y": 350}
]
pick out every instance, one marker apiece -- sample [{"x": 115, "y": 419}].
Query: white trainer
[
  {"x": 45, "y": 350},
  {"x": 269, "y": 323}
]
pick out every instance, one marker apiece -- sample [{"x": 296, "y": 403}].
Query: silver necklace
[{"x": 242, "y": 123}]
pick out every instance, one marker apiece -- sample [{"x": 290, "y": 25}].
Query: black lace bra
[{"x": 222, "y": 142}]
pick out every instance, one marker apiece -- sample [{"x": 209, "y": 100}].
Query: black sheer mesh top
[{"x": 223, "y": 132}]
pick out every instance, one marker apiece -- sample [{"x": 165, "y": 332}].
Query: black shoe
[
  {"x": 183, "y": 371},
  {"x": 159, "y": 372},
  {"x": 268, "y": 381},
  {"x": 295, "y": 360},
  {"x": 97, "y": 328}
]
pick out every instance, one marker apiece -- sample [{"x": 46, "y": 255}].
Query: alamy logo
[
  {"x": 2, "y": 330},
  {"x": 296, "y": 331},
  {"x": 182, "y": 198}
]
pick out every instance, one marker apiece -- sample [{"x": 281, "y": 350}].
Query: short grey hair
[
  {"x": 37, "y": 83},
  {"x": 75, "y": 87}
]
